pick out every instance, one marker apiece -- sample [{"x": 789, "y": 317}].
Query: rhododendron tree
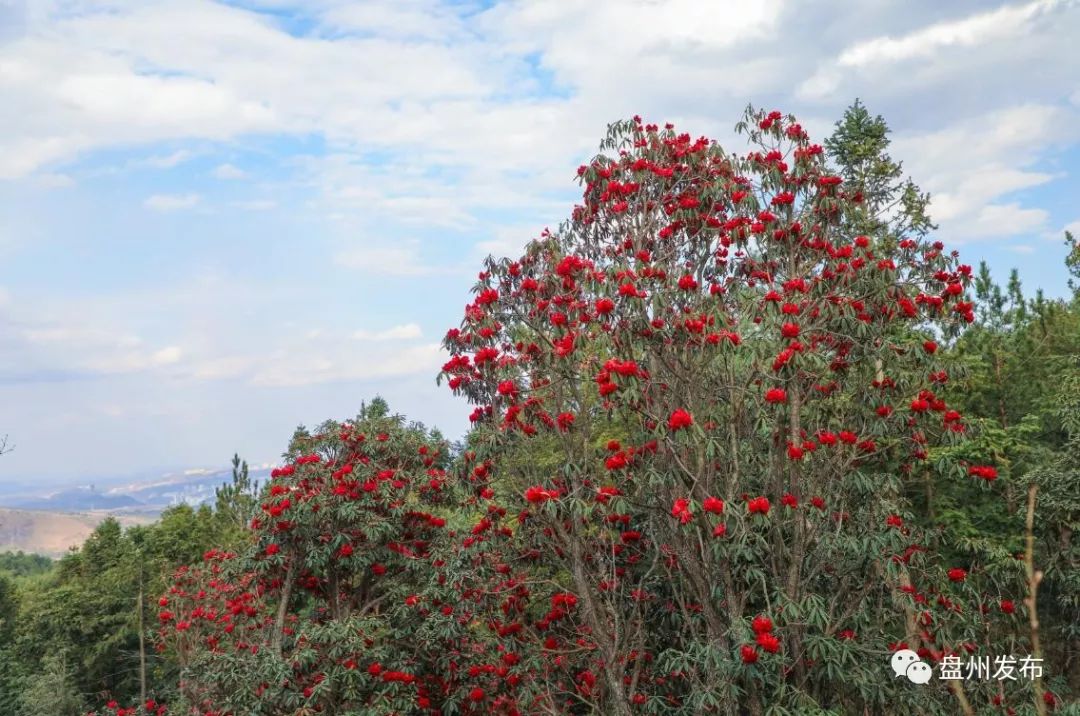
[
  {"x": 709, "y": 336},
  {"x": 324, "y": 613}
]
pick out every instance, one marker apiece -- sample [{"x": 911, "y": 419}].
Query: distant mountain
[
  {"x": 79, "y": 499},
  {"x": 137, "y": 495},
  {"x": 49, "y": 520},
  {"x": 194, "y": 487},
  {"x": 52, "y": 533}
]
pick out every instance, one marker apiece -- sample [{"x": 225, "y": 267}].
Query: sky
[{"x": 219, "y": 220}]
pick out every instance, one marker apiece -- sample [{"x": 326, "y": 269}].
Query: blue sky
[{"x": 219, "y": 220}]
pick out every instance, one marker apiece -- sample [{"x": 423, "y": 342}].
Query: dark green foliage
[
  {"x": 20, "y": 564},
  {"x": 70, "y": 628}
]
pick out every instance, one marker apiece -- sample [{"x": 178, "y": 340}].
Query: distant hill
[
  {"x": 79, "y": 499},
  {"x": 195, "y": 487},
  {"x": 44, "y": 519},
  {"x": 52, "y": 533},
  {"x": 150, "y": 493}
]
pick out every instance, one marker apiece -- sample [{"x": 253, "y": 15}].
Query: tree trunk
[
  {"x": 1034, "y": 577},
  {"x": 283, "y": 607},
  {"x": 142, "y": 645}
]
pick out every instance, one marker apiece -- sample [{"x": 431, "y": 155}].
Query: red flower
[
  {"x": 748, "y": 653},
  {"x": 759, "y": 504},
  {"x": 681, "y": 509},
  {"x": 1007, "y": 606},
  {"x": 476, "y": 694},
  {"x": 776, "y": 395},
  {"x": 537, "y": 494},
  {"x": 761, "y": 623},
  {"x": 378, "y": 569},
  {"x": 605, "y": 306},
  {"x": 616, "y": 462},
  {"x": 564, "y": 599},
  {"x": 680, "y": 419},
  {"x": 986, "y": 472},
  {"x": 768, "y": 642},
  {"x": 345, "y": 551},
  {"x": 789, "y": 500},
  {"x": 790, "y": 330},
  {"x": 688, "y": 283},
  {"x": 956, "y": 574},
  {"x": 720, "y": 530},
  {"x": 794, "y": 452},
  {"x": 606, "y": 492},
  {"x": 929, "y": 347},
  {"x": 714, "y": 505},
  {"x": 272, "y": 549}
]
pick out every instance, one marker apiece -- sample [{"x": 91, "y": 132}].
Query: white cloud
[
  {"x": 293, "y": 369},
  {"x": 167, "y": 161},
  {"x": 53, "y": 180},
  {"x": 255, "y": 204},
  {"x": 942, "y": 48},
  {"x": 223, "y": 367},
  {"x": 419, "y": 19},
  {"x": 228, "y": 171},
  {"x": 386, "y": 261},
  {"x": 166, "y": 356},
  {"x": 70, "y": 344},
  {"x": 171, "y": 202},
  {"x": 996, "y": 25},
  {"x": 994, "y": 220},
  {"x": 507, "y": 241},
  {"x": 971, "y": 165},
  {"x": 405, "y": 331}
]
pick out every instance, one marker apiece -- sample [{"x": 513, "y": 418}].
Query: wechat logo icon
[{"x": 907, "y": 663}]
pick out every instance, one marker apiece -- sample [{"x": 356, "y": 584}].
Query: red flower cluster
[
  {"x": 681, "y": 509},
  {"x": 714, "y": 505},
  {"x": 762, "y": 627},
  {"x": 537, "y": 494},
  {"x": 986, "y": 472},
  {"x": 759, "y": 505},
  {"x": 680, "y": 419},
  {"x": 776, "y": 395}
]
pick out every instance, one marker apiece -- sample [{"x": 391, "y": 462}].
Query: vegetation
[{"x": 741, "y": 431}]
